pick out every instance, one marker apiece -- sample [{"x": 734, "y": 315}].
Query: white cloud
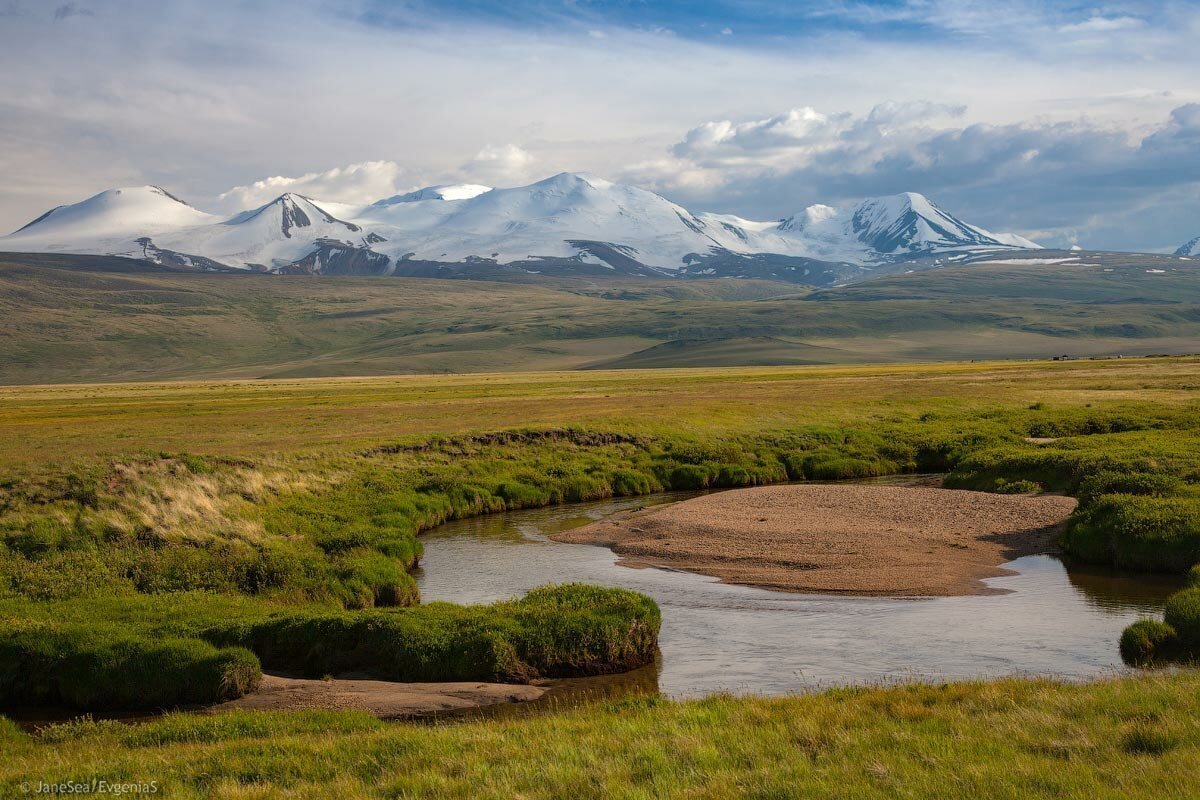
[
  {"x": 1103, "y": 25},
  {"x": 1051, "y": 180},
  {"x": 498, "y": 164},
  {"x": 356, "y": 184}
]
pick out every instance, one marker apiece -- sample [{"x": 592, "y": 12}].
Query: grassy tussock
[
  {"x": 556, "y": 631},
  {"x": 163, "y": 651},
  {"x": 106, "y": 666},
  {"x": 1122, "y": 738}
]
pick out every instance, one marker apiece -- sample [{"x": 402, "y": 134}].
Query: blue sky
[
  {"x": 762, "y": 21},
  {"x": 1066, "y": 122}
]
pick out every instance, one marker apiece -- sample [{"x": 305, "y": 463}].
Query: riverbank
[
  {"x": 843, "y": 539},
  {"x": 382, "y": 699}
]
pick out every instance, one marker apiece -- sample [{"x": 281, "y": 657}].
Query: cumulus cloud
[
  {"x": 500, "y": 164},
  {"x": 1059, "y": 180},
  {"x": 356, "y": 184}
]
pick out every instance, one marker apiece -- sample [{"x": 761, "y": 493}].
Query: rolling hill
[{"x": 73, "y": 319}]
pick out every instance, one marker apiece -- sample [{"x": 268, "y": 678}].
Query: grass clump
[
  {"x": 110, "y": 667},
  {"x": 1146, "y": 641},
  {"x": 555, "y": 631},
  {"x": 1137, "y": 532},
  {"x": 145, "y": 651}
]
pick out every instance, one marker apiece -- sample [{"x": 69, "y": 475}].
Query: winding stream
[{"x": 1056, "y": 620}]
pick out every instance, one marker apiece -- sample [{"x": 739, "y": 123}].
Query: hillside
[{"x": 94, "y": 325}]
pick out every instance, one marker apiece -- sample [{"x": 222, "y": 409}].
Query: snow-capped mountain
[
  {"x": 460, "y": 191},
  {"x": 1192, "y": 248},
  {"x": 896, "y": 226},
  {"x": 571, "y": 222},
  {"x": 107, "y": 222}
]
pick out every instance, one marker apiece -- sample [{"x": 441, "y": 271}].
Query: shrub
[{"x": 1147, "y": 640}]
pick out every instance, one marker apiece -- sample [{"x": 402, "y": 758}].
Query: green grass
[
  {"x": 318, "y": 530},
  {"x": 177, "y": 649},
  {"x": 1119, "y": 738},
  {"x": 147, "y": 532}
]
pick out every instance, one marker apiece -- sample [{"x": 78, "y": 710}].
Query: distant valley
[{"x": 72, "y": 318}]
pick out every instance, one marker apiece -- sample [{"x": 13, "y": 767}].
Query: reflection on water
[{"x": 722, "y": 637}]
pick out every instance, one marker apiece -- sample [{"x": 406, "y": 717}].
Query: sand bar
[{"x": 843, "y": 538}]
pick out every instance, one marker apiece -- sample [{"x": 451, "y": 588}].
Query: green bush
[{"x": 1147, "y": 640}]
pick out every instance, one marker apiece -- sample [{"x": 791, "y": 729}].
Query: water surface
[{"x": 1055, "y": 620}]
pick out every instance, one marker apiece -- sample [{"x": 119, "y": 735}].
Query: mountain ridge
[{"x": 568, "y": 223}]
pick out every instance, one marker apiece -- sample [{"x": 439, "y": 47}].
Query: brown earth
[
  {"x": 384, "y": 699},
  {"x": 844, "y": 539}
]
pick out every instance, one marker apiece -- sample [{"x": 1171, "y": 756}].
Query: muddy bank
[
  {"x": 384, "y": 699},
  {"x": 844, "y": 539}
]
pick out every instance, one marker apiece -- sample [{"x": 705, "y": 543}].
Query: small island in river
[{"x": 843, "y": 539}]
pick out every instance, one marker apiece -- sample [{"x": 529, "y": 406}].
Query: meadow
[
  {"x": 164, "y": 542},
  {"x": 84, "y": 324}
]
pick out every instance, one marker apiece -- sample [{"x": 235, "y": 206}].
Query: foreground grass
[{"x": 1119, "y": 738}]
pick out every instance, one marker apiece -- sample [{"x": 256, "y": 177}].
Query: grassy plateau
[
  {"x": 82, "y": 324},
  {"x": 161, "y": 543}
]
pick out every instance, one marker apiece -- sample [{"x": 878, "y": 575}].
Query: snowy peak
[
  {"x": 288, "y": 212},
  {"x": 572, "y": 221},
  {"x": 458, "y": 191},
  {"x": 113, "y": 213},
  {"x": 809, "y": 218},
  {"x": 909, "y": 222},
  {"x": 1192, "y": 248},
  {"x": 896, "y": 226}
]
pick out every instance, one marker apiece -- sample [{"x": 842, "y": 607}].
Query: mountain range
[{"x": 570, "y": 223}]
